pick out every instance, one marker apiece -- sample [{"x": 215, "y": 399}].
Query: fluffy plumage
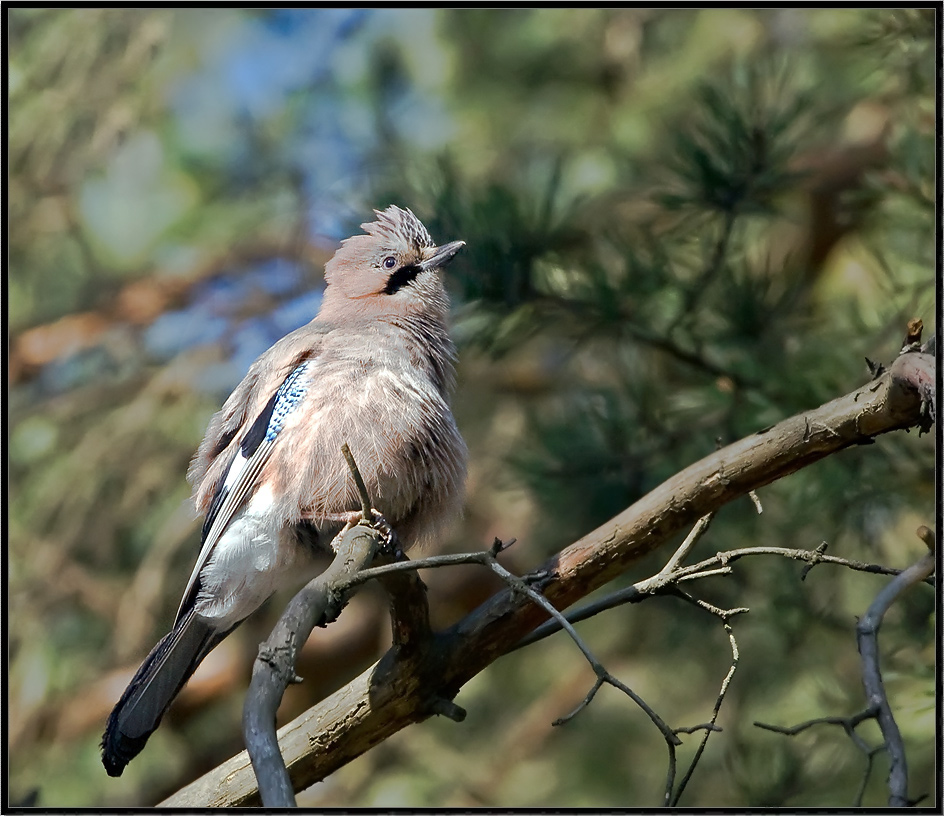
[{"x": 373, "y": 369}]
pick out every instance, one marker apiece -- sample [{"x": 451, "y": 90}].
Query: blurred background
[{"x": 682, "y": 226}]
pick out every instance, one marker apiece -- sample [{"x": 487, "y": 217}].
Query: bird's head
[{"x": 393, "y": 268}]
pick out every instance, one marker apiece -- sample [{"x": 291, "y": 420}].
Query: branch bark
[
  {"x": 405, "y": 688},
  {"x": 318, "y": 604}
]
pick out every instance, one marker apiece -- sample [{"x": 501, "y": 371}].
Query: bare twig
[
  {"x": 703, "y": 569},
  {"x": 849, "y": 725},
  {"x": 867, "y": 638},
  {"x": 522, "y": 586},
  {"x": 700, "y": 528},
  {"x": 817, "y": 556},
  {"x": 710, "y": 726},
  {"x": 634, "y": 594},
  {"x": 869, "y": 764},
  {"x": 878, "y": 707},
  {"x": 711, "y": 609},
  {"x": 359, "y": 481},
  {"x": 691, "y": 729}
]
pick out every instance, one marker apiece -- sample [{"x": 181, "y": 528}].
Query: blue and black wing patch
[
  {"x": 241, "y": 475},
  {"x": 269, "y": 423}
]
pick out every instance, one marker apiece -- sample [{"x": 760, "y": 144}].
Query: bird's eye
[{"x": 389, "y": 262}]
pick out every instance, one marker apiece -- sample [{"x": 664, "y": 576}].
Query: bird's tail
[{"x": 153, "y": 688}]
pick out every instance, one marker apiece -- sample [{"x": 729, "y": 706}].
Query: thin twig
[
  {"x": 867, "y": 638},
  {"x": 691, "y": 729},
  {"x": 521, "y": 586},
  {"x": 583, "y": 704},
  {"x": 735, "y": 657},
  {"x": 878, "y": 707},
  {"x": 724, "y": 614},
  {"x": 634, "y": 594},
  {"x": 643, "y": 589},
  {"x": 810, "y": 556},
  {"x": 869, "y": 764},
  {"x": 359, "y": 481},
  {"x": 487, "y": 558},
  {"x": 849, "y": 725},
  {"x": 700, "y": 528}
]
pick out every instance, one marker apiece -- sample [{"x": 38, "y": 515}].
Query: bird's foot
[{"x": 390, "y": 543}]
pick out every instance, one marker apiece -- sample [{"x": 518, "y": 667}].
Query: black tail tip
[
  {"x": 113, "y": 765},
  {"x": 118, "y": 750}
]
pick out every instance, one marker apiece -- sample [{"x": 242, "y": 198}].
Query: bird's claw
[{"x": 390, "y": 543}]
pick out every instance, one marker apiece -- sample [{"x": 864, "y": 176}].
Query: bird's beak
[{"x": 442, "y": 255}]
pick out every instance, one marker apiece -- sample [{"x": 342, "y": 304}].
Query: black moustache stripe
[{"x": 404, "y": 276}]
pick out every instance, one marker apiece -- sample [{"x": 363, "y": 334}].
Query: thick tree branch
[
  {"x": 318, "y": 604},
  {"x": 398, "y": 691}
]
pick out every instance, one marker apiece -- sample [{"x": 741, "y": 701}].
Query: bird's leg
[{"x": 390, "y": 544}]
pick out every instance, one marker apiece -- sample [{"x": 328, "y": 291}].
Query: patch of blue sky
[
  {"x": 251, "y": 68},
  {"x": 220, "y": 378},
  {"x": 276, "y": 276},
  {"x": 332, "y": 188},
  {"x": 337, "y": 23},
  {"x": 174, "y": 332},
  {"x": 295, "y": 312},
  {"x": 251, "y": 339},
  {"x": 283, "y": 51},
  {"x": 222, "y": 295},
  {"x": 326, "y": 53},
  {"x": 324, "y": 220}
]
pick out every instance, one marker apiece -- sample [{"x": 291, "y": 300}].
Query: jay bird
[{"x": 373, "y": 369}]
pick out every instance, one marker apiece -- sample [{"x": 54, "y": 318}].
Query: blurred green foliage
[{"x": 682, "y": 226}]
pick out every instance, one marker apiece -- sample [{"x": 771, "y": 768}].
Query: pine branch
[{"x": 397, "y": 692}]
